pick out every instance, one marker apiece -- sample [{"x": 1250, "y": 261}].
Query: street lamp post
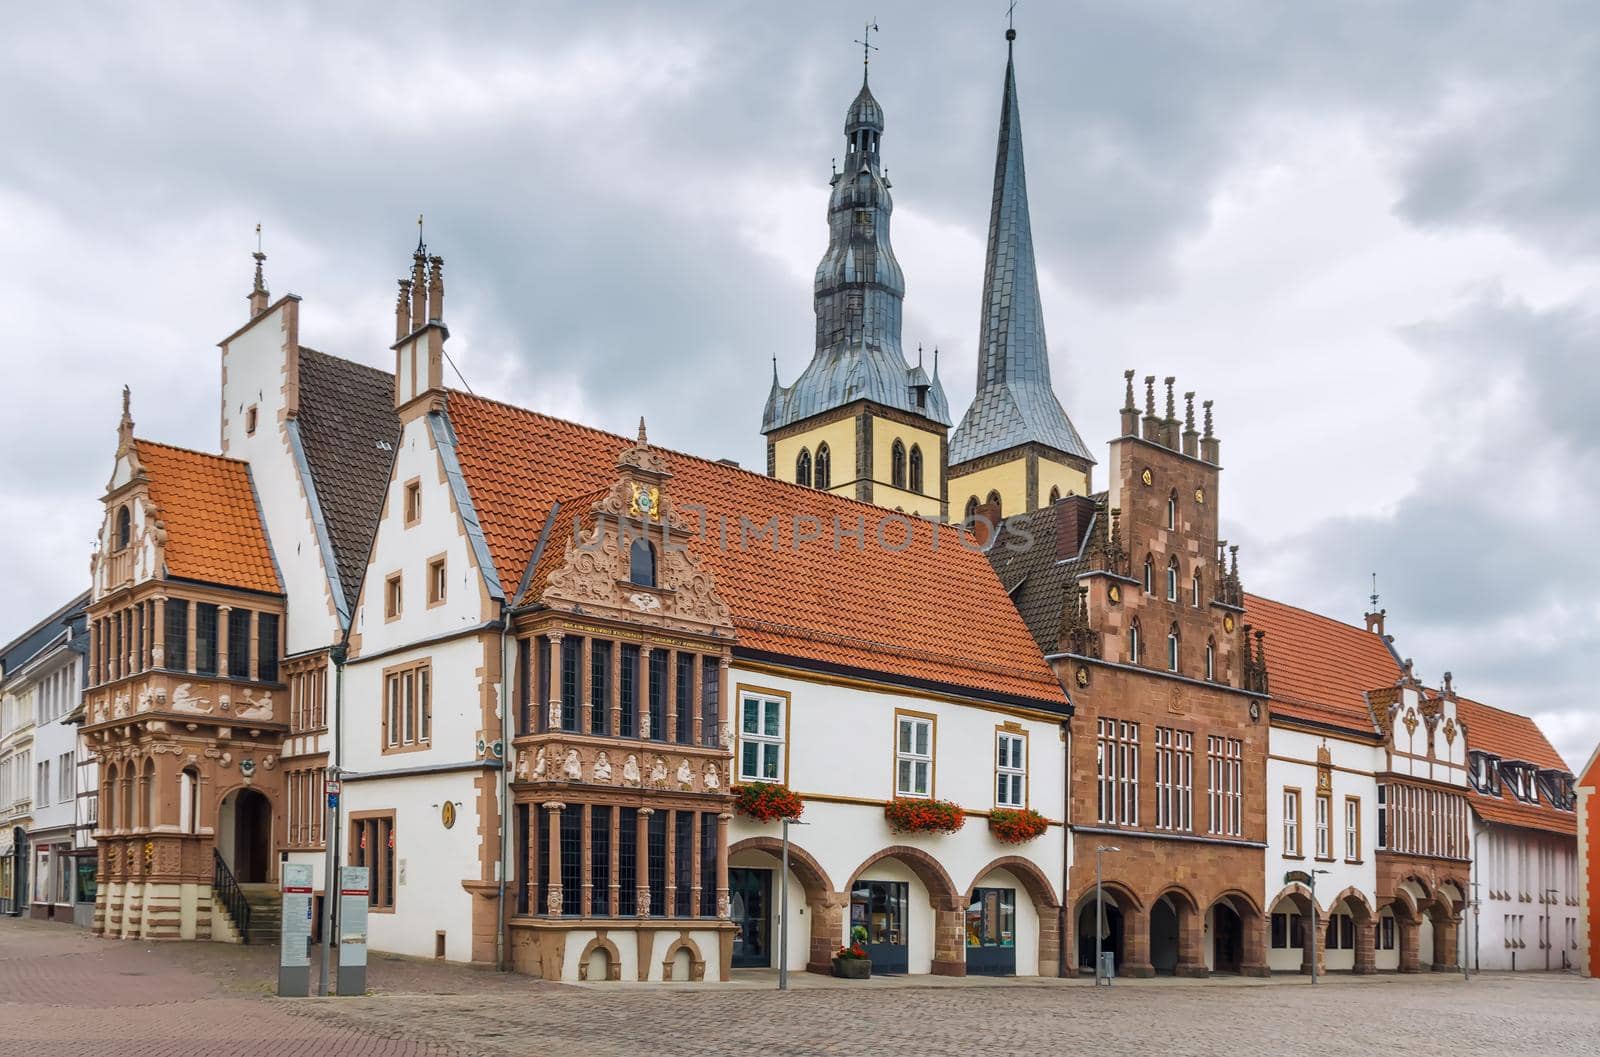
[
  {"x": 1099, "y": 913},
  {"x": 783, "y": 910},
  {"x": 330, "y": 882}
]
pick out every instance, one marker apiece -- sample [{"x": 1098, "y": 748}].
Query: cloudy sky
[{"x": 1369, "y": 231}]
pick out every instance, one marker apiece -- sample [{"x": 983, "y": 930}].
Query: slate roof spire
[
  {"x": 1014, "y": 404},
  {"x": 858, "y": 293}
]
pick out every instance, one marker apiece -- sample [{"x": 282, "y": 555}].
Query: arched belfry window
[
  {"x": 823, "y": 475},
  {"x": 1172, "y": 510},
  {"x": 916, "y": 468},
  {"x": 1133, "y": 642},
  {"x": 897, "y": 464},
  {"x": 124, "y": 528},
  {"x": 1149, "y": 575},
  {"x": 994, "y": 503},
  {"x": 972, "y": 508},
  {"x": 1211, "y": 658},
  {"x": 1172, "y": 648},
  {"x": 1055, "y": 495},
  {"x": 642, "y": 563},
  {"x": 1172, "y": 579},
  {"x": 802, "y": 468}
]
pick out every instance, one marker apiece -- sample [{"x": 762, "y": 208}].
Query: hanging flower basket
[
  {"x": 1016, "y": 827},
  {"x": 924, "y": 816},
  {"x": 768, "y": 802}
]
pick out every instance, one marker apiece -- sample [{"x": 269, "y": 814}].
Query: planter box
[{"x": 852, "y": 968}]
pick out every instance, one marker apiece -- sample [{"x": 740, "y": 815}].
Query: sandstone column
[{"x": 949, "y": 937}]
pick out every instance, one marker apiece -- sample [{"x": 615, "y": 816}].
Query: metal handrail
[{"x": 224, "y": 885}]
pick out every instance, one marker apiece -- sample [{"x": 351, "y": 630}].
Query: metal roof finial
[
  {"x": 867, "y": 47},
  {"x": 1374, "y": 595},
  {"x": 1011, "y": 25},
  {"x": 421, "y": 246}
]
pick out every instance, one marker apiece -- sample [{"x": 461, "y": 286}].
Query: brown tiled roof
[
  {"x": 924, "y": 615},
  {"x": 1320, "y": 668},
  {"x": 348, "y": 430},
  {"x": 1513, "y": 737},
  {"x": 208, "y": 508},
  {"x": 1507, "y": 735}
]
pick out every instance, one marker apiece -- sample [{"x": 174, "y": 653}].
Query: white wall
[
  {"x": 1292, "y": 763},
  {"x": 1514, "y": 870}
]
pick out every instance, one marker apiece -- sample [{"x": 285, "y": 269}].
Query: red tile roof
[
  {"x": 933, "y": 613},
  {"x": 1513, "y": 737},
  {"x": 208, "y": 508},
  {"x": 1320, "y": 668}
]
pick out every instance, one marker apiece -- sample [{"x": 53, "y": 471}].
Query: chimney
[
  {"x": 1375, "y": 622},
  {"x": 985, "y": 523},
  {"x": 1209, "y": 444},
  {"x": 1130, "y": 412},
  {"x": 1191, "y": 436}
]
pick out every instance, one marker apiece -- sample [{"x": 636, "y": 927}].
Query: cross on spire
[
  {"x": 867, "y": 47},
  {"x": 1011, "y": 23}
]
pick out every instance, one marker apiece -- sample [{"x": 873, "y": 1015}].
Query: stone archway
[
  {"x": 1407, "y": 910},
  {"x": 1444, "y": 913},
  {"x": 823, "y": 901},
  {"x": 1121, "y": 926},
  {"x": 1299, "y": 900},
  {"x": 1244, "y": 950},
  {"x": 949, "y": 933},
  {"x": 1175, "y": 930},
  {"x": 1354, "y": 903},
  {"x": 1045, "y": 904},
  {"x": 245, "y": 839}
]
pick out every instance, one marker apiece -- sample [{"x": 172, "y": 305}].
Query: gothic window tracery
[{"x": 802, "y": 468}]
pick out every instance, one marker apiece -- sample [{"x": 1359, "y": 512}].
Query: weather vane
[
  {"x": 420, "y": 246},
  {"x": 258, "y": 237},
  {"x": 1374, "y": 591},
  {"x": 1011, "y": 11},
  {"x": 867, "y": 47}
]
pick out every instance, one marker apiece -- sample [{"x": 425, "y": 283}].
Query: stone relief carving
[
  {"x": 685, "y": 775},
  {"x": 553, "y": 899},
  {"x": 184, "y": 699},
  {"x": 1450, "y": 732},
  {"x": 555, "y": 714},
  {"x": 143, "y": 704},
  {"x": 255, "y": 708},
  {"x": 630, "y": 769},
  {"x": 539, "y": 765},
  {"x": 658, "y": 771},
  {"x": 119, "y": 707},
  {"x": 1411, "y": 721},
  {"x": 602, "y": 768},
  {"x": 711, "y": 779},
  {"x": 572, "y": 766},
  {"x": 522, "y": 764}
]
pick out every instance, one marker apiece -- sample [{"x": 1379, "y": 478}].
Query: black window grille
[
  {"x": 710, "y": 693},
  {"x": 627, "y": 862},
  {"x": 658, "y": 695},
  {"x": 267, "y": 647},
  {"x": 682, "y": 862},
  {"x": 600, "y": 860},
  {"x": 600, "y": 685},
  {"x": 571, "y": 654},
  {"x": 685, "y": 690},
  {"x": 205, "y": 638},
  {"x": 656, "y": 860},
  {"x": 541, "y": 840},
  {"x": 628, "y": 690},
  {"x": 542, "y": 700},
  {"x": 524, "y": 688},
  {"x": 572, "y": 859},
  {"x": 239, "y": 643},
  {"x": 708, "y": 864},
  {"x": 522, "y": 856}
]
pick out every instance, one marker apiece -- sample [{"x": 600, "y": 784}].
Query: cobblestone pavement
[{"x": 63, "y": 992}]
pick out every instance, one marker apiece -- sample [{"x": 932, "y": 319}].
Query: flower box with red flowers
[
  {"x": 852, "y": 963},
  {"x": 768, "y": 801},
  {"x": 1016, "y": 827},
  {"x": 906, "y": 815}
]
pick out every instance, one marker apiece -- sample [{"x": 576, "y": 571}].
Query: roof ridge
[
  {"x": 701, "y": 459},
  {"x": 192, "y": 451},
  {"x": 1309, "y": 612}
]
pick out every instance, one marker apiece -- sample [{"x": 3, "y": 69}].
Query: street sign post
[
  {"x": 294, "y": 936},
  {"x": 354, "y": 890}
]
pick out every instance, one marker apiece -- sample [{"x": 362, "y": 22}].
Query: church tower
[
  {"x": 1015, "y": 445},
  {"x": 860, "y": 421}
]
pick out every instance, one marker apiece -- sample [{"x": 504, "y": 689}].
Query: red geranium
[
  {"x": 855, "y": 950},
  {"x": 1016, "y": 827},
  {"x": 768, "y": 801},
  {"x": 906, "y": 815}
]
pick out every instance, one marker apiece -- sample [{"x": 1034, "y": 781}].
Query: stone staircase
[{"x": 265, "y": 913}]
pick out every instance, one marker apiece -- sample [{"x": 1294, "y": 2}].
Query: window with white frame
[
  {"x": 41, "y": 796},
  {"x": 1117, "y": 747},
  {"x": 1211, "y": 660},
  {"x": 408, "y": 707},
  {"x": 761, "y": 729},
  {"x": 66, "y": 777},
  {"x": 1011, "y": 769},
  {"x": 1324, "y": 826},
  {"x": 1172, "y": 648},
  {"x": 1291, "y": 822},
  {"x": 1194, "y": 589},
  {"x": 1174, "y": 779},
  {"x": 1225, "y": 769},
  {"x": 913, "y": 755},
  {"x": 1352, "y": 829},
  {"x": 1172, "y": 580}
]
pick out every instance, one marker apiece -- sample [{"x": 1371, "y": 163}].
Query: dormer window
[
  {"x": 124, "y": 528},
  {"x": 642, "y": 563}
]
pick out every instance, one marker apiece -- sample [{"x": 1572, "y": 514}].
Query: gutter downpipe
[
  {"x": 1066, "y": 850},
  {"x": 502, "y": 947}
]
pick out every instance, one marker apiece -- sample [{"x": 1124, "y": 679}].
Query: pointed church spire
[{"x": 1015, "y": 404}]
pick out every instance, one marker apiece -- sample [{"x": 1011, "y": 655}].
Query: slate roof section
[
  {"x": 1321, "y": 668},
  {"x": 921, "y": 615},
  {"x": 208, "y": 507},
  {"x": 348, "y": 430},
  {"x": 1024, "y": 556},
  {"x": 15, "y": 654},
  {"x": 1015, "y": 403}
]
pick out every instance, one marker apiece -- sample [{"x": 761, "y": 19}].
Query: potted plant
[
  {"x": 852, "y": 962},
  {"x": 907, "y": 815},
  {"x": 1011, "y": 826},
  {"x": 768, "y": 801}
]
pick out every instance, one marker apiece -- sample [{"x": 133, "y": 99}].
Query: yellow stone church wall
[
  {"x": 840, "y": 437},
  {"x": 1010, "y": 479},
  {"x": 1059, "y": 475},
  {"x": 884, "y": 433}
]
